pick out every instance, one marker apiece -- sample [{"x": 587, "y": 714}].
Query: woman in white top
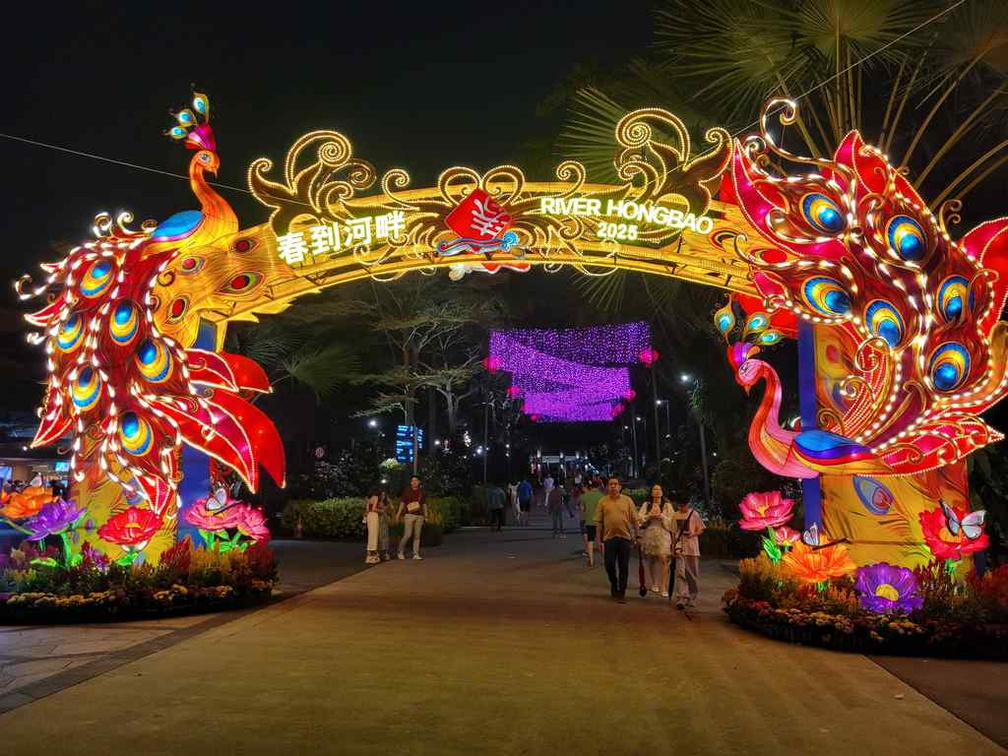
[
  {"x": 376, "y": 517},
  {"x": 655, "y": 518}
]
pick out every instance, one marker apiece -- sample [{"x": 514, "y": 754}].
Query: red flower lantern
[
  {"x": 131, "y": 529},
  {"x": 952, "y": 532}
]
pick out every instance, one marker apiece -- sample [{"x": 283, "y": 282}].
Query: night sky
[{"x": 422, "y": 86}]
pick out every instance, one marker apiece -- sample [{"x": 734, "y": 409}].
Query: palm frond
[
  {"x": 588, "y": 134},
  {"x": 604, "y": 293},
  {"x": 974, "y": 30},
  {"x": 856, "y": 29},
  {"x": 734, "y": 53},
  {"x": 323, "y": 369},
  {"x": 267, "y": 343}
]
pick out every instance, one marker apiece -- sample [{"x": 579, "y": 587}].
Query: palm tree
[
  {"x": 923, "y": 79},
  {"x": 916, "y": 77}
]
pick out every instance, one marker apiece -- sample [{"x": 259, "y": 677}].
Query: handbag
[{"x": 677, "y": 546}]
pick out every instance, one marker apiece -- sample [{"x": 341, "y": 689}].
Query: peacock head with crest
[
  {"x": 748, "y": 370},
  {"x": 747, "y": 326},
  {"x": 193, "y": 129}
]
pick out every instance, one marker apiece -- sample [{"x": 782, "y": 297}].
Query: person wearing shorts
[{"x": 587, "y": 506}]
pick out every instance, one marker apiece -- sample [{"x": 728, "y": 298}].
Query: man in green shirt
[
  {"x": 616, "y": 528},
  {"x": 588, "y": 504}
]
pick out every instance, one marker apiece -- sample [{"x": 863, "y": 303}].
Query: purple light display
[
  {"x": 619, "y": 344},
  {"x": 573, "y": 374}
]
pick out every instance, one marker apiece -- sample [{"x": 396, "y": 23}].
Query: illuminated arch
[{"x": 661, "y": 220}]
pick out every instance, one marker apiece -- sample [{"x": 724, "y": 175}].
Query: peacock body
[{"x": 126, "y": 390}]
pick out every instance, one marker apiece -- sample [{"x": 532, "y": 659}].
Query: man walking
[
  {"x": 555, "y": 504},
  {"x": 412, "y": 511},
  {"x": 616, "y": 528},
  {"x": 524, "y": 501},
  {"x": 588, "y": 506},
  {"x": 547, "y": 488},
  {"x": 495, "y": 503}
]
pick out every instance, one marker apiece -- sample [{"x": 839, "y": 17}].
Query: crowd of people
[{"x": 664, "y": 530}]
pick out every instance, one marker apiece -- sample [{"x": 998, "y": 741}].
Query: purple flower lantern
[
  {"x": 54, "y": 519},
  {"x": 887, "y": 589}
]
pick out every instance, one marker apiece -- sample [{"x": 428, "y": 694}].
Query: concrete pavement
[
  {"x": 495, "y": 643},
  {"x": 37, "y": 661}
]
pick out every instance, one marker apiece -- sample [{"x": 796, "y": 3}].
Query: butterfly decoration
[
  {"x": 971, "y": 525},
  {"x": 218, "y": 500},
  {"x": 812, "y": 538}
]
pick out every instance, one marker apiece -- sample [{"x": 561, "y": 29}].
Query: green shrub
[
  {"x": 449, "y": 511},
  {"x": 291, "y": 510},
  {"x": 332, "y": 518},
  {"x": 714, "y": 542},
  {"x": 343, "y": 518},
  {"x": 743, "y": 544},
  {"x": 639, "y": 495},
  {"x": 479, "y": 511}
]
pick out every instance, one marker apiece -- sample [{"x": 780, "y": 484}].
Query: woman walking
[
  {"x": 376, "y": 516},
  {"x": 656, "y": 520},
  {"x": 689, "y": 526}
]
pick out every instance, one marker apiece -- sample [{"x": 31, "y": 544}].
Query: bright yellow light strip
[{"x": 694, "y": 258}]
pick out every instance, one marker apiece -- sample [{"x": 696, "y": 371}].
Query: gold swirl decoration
[
  {"x": 323, "y": 188},
  {"x": 312, "y": 191}
]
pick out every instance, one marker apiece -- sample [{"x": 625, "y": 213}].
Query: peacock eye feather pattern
[
  {"x": 855, "y": 248},
  {"x": 125, "y": 390}
]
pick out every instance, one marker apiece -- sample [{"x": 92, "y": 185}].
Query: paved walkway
[
  {"x": 36, "y": 661},
  {"x": 495, "y": 643}
]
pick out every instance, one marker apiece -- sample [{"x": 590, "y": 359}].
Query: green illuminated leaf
[{"x": 772, "y": 549}]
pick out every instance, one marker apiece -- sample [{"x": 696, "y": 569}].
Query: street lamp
[
  {"x": 372, "y": 423},
  {"x": 636, "y": 456},
  {"x": 687, "y": 378},
  {"x": 668, "y": 421}
]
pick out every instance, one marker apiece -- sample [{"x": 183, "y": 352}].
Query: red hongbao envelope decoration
[{"x": 478, "y": 216}]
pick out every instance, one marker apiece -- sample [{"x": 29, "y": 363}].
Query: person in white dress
[
  {"x": 655, "y": 518},
  {"x": 512, "y": 492},
  {"x": 547, "y": 488}
]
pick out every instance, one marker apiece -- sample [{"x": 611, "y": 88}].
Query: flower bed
[
  {"x": 186, "y": 580},
  {"x": 925, "y": 612}
]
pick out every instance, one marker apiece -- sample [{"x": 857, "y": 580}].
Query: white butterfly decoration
[
  {"x": 218, "y": 500},
  {"x": 811, "y": 536},
  {"x": 971, "y": 525}
]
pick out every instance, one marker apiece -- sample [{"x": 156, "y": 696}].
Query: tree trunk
[
  {"x": 431, "y": 415},
  {"x": 452, "y": 405}
]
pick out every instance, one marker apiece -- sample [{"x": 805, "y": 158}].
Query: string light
[{"x": 568, "y": 375}]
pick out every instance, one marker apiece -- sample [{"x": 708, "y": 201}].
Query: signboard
[{"x": 404, "y": 443}]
